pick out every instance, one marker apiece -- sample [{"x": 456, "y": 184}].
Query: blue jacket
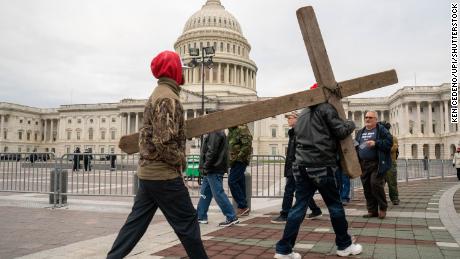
[{"x": 383, "y": 144}]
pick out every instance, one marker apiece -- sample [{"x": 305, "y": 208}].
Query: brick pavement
[{"x": 411, "y": 230}]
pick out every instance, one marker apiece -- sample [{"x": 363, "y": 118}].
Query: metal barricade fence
[
  {"x": 113, "y": 174},
  {"x": 267, "y": 174},
  {"x": 99, "y": 174},
  {"x": 26, "y": 172}
]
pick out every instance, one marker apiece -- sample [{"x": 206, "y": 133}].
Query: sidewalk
[{"x": 426, "y": 224}]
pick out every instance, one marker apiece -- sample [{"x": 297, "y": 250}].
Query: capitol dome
[{"x": 233, "y": 72}]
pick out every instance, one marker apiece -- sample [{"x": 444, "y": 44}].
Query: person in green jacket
[{"x": 240, "y": 149}]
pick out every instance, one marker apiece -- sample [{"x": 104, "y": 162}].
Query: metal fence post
[
  {"x": 442, "y": 168},
  {"x": 135, "y": 184},
  {"x": 428, "y": 169},
  {"x": 407, "y": 171}
]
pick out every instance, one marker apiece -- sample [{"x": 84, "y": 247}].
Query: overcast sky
[{"x": 55, "y": 52}]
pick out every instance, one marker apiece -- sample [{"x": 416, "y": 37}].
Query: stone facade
[{"x": 419, "y": 115}]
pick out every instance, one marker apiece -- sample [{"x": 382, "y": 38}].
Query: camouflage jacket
[
  {"x": 240, "y": 144},
  {"x": 162, "y": 137}
]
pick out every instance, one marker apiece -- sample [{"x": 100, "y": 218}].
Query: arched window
[{"x": 90, "y": 133}]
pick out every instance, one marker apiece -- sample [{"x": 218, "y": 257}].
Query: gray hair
[{"x": 376, "y": 114}]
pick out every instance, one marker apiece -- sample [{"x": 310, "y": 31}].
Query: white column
[
  {"x": 219, "y": 73},
  {"x": 353, "y": 116},
  {"x": 185, "y": 114},
  {"x": 120, "y": 118},
  {"x": 227, "y": 74},
  {"x": 129, "y": 124},
  {"x": 241, "y": 76},
  {"x": 446, "y": 116},
  {"x": 52, "y": 130},
  {"x": 137, "y": 122},
  {"x": 247, "y": 78},
  {"x": 45, "y": 131},
  {"x": 430, "y": 121},
  {"x": 441, "y": 117},
  {"x": 406, "y": 118},
  {"x": 234, "y": 75},
  {"x": 418, "y": 123},
  {"x": 363, "y": 114},
  {"x": 1, "y": 127},
  {"x": 194, "y": 113},
  {"x": 211, "y": 75}
]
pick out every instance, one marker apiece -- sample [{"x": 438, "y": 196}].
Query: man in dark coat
[
  {"x": 318, "y": 130},
  {"x": 76, "y": 159},
  {"x": 374, "y": 146},
  {"x": 87, "y": 157},
  {"x": 213, "y": 165}
]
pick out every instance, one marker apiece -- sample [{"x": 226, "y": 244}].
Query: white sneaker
[
  {"x": 353, "y": 249},
  {"x": 292, "y": 255},
  {"x": 203, "y": 221}
]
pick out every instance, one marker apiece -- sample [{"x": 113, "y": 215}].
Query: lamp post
[{"x": 206, "y": 59}]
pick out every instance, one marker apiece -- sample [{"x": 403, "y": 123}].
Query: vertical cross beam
[{"x": 325, "y": 78}]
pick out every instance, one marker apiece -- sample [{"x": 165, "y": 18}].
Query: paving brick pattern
[{"x": 416, "y": 231}]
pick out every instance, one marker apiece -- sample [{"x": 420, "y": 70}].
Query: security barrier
[{"x": 85, "y": 174}]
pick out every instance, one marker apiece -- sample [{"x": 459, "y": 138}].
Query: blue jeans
[
  {"x": 237, "y": 184},
  {"x": 322, "y": 179},
  {"x": 212, "y": 187},
  {"x": 288, "y": 197},
  {"x": 345, "y": 191}
]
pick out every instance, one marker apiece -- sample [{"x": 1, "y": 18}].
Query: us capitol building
[{"x": 419, "y": 115}]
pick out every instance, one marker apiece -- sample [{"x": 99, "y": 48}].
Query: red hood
[{"x": 167, "y": 64}]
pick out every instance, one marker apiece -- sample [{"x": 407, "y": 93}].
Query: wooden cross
[{"x": 328, "y": 91}]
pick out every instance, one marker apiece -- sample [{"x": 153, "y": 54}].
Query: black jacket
[
  {"x": 318, "y": 130},
  {"x": 214, "y": 153},
  {"x": 383, "y": 144},
  {"x": 290, "y": 153}
]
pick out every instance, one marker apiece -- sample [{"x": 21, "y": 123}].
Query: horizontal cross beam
[{"x": 268, "y": 108}]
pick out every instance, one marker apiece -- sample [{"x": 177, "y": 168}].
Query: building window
[
  {"x": 28, "y": 135},
  {"x": 102, "y": 135},
  {"x": 36, "y": 123},
  {"x": 432, "y": 109},
  {"x": 91, "y": 121},
  {"x": 221, "y": 47},
  {"x": 273, "y": 132},
  {"x": 90, "y": 134},
  {"x": 434, "y": 128},
  {"x": 78, "y": 135},
  {"x": 5, "y": 149},
  {"x": 19, "y": 149},
  {"x": 422, "y": 128},
  {"x": 112, "y": 135},
  {"x": 69, "y": 135},
  {"x": 103, "y": 120},
  {"x": 79, "y": 121},
  {"x": 421, "y": 109},
  {"x": 20, "y": 121},
  {"x": 20, "y": 135},
  {"x": 113, "y": 120},
  {"x": 5, "y": 134},
  {"x": 69, "y": 121},
  {"x": 36, "y": 136},
  {"x": 274, "y": 150},
  {"x": 286, "y": 134},
  {"x": 28, "y": 122}
]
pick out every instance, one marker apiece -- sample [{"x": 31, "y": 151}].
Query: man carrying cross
[{"x": 317, "y": 131}]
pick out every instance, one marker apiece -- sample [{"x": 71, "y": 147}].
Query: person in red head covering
[{"x": 161, "y": 163}]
